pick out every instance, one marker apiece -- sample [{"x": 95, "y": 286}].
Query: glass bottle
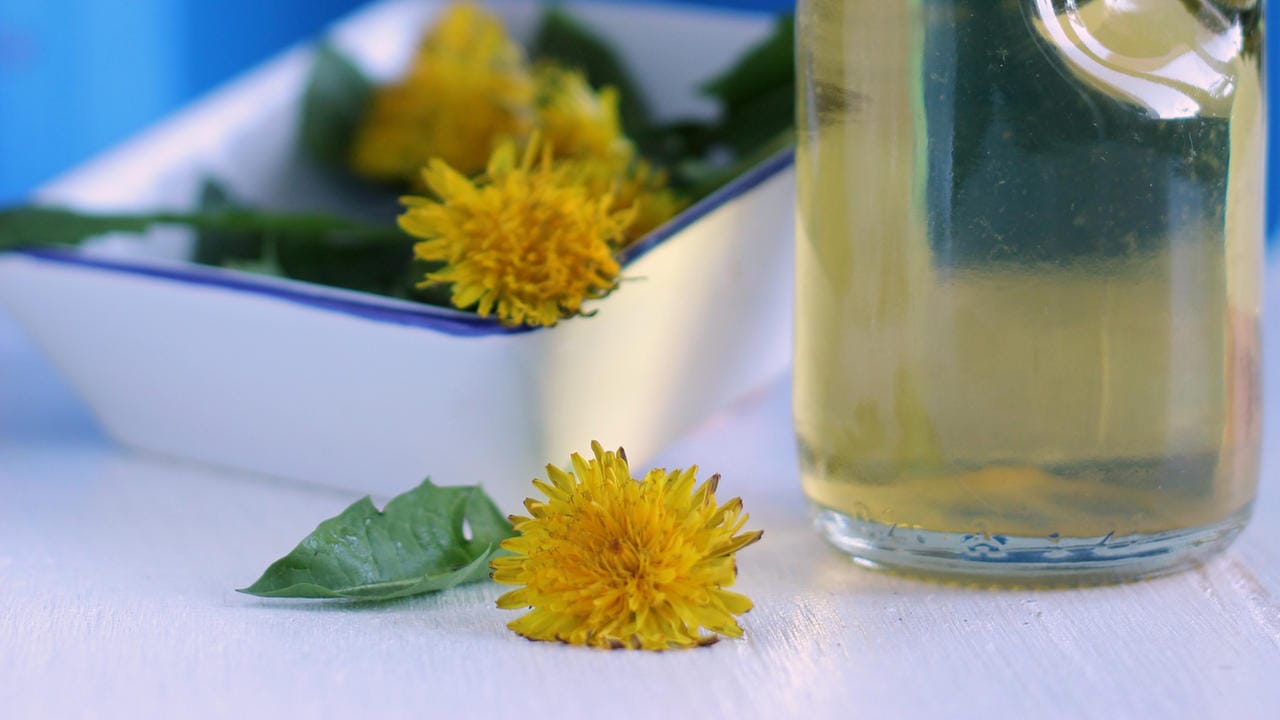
[{"x": 1028, "y": 281}]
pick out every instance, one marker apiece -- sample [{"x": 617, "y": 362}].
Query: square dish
[{"x": 371, "y": 393}]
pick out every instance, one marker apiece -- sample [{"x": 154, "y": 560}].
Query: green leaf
[
  {"x": 336, "y": 99},
  {"x": 30, "y": 226},
  {"x": 418, "y": 544},
  {"x": 347, "y": 264},
  {"x": 224, "y": 248},
  {"x": 701, "y": 179},
  {"x": 758, "y": 120},
  {"x": 266, "y": 263},
  {"x": 337, "y": 260},
  {"x": 757, "y": 115},
  {"x": 324, "y": 249},
  {"x": 757, "y": 94},
  {"x": 668, "y": 144},
  {"x": 565, "y": 40},
  {"x": 765, "y": 66}
]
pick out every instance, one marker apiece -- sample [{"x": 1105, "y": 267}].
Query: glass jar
[{"x": 1028, "y": 281}]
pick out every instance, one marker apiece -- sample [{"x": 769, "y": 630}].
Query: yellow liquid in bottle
[{"x": 1029, "y": 249}]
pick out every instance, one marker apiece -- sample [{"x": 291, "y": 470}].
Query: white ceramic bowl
[{"x": 371, "y": 393}]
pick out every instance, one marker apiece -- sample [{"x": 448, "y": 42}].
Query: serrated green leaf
[
  {"x": 336, "y": 99},
  {"x": 417, "y": 544},
  {"x": 565, "y": 40}
]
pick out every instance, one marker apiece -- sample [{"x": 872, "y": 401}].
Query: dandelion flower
[
  {"x": 527, "y": 242},
  {"x": 584, "y": 129},
  {"x": 579, "y": 122},
  {"x": 639, "y": 188},
  {"x": 610, "y": 562},
  {"x": 469, "y": 87}
]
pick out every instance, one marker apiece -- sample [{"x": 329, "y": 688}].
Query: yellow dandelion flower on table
[
  {"x": 468, "y": 88},
  {"x": 527, "y": 242},
  {"x": 611, "y": 562}
]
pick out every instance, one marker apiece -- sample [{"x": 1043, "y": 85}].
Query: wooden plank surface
[{"x": 116, "y": 599}]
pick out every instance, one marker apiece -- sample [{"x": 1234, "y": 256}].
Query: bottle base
[{"x": 1010, "y": 560}]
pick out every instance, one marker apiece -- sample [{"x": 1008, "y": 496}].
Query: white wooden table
[{"x": 116, "y": 600}]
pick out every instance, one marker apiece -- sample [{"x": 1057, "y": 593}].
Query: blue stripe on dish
[
  {"x": 369, "y": 307},
  {"x": 399, "y": 312}
]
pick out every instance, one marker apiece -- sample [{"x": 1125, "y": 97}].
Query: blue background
[{"x": 77, "y": 76}]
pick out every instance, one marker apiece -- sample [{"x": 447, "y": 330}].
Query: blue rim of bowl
[{"x": 392, "y": 310}]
